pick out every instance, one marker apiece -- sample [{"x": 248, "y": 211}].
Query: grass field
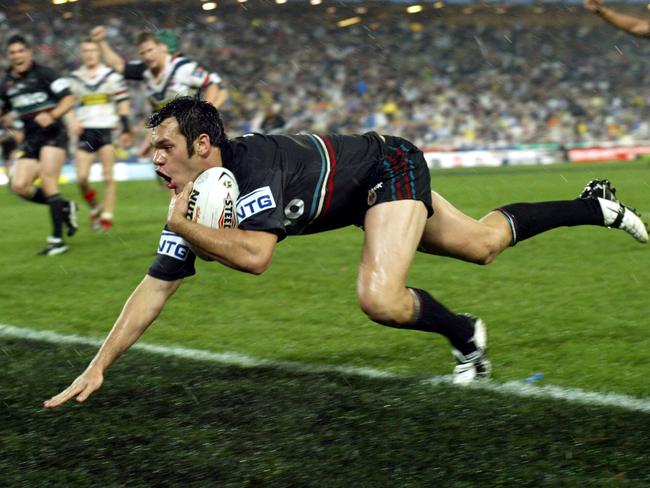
[{"x": 571, "y": 304}]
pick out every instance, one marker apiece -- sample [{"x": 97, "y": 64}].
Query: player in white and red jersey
[{"x": 102, "y": 106}]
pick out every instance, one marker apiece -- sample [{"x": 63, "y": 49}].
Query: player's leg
[
  {"x": 83, "y": 162},
  {"x": 87, "y": 148},
  {"x": 400, "y": 203},
  {"x": 449, "y": 232},
  {"x": 392, "y": 233},
  {"x": 52, "y": 159},
  {"x": 25, "y": 171},
  {"x": 596, "y": 205},
  {"x": 107, "y": 157},
  {"x": 61, "y": 211}
]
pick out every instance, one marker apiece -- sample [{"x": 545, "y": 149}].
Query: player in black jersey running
[
  {"x": 308, "y": 183},
  {"x": 40, "y": 97}
]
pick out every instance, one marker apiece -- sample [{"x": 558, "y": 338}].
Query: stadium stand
[{"x": 462, "y": 78}]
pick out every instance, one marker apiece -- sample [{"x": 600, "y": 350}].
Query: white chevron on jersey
[{"x": 182, "y": 77}]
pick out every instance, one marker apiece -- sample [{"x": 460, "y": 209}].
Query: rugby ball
[
  {"x": 212, "y": 202},
  {"x": 213, "y": 199}
]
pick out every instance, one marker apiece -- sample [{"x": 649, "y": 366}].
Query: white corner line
[{"x": 510, "y": 388}]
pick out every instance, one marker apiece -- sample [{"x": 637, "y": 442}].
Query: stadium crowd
[{"x": 437, "y": 81}]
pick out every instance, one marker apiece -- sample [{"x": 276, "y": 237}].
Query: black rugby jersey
[
  {"x": 39, "y": 88},
  {"x": 302, "y": 184}
]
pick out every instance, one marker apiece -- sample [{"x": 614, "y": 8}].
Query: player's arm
[
  {"x": 70, "y": 118},
  {"x": 140, "y": 310},
  {"x": 73, "y": 123},
  {"x": 215, "y": 95},
  {"x": 59, "y": 87},
  {"x": 123, "y": 112},
  {"x": 63, "y": 107},
  {"x": 12, "y": 133},
  {"x": 245, "y": 250},
  {"x": 631, "y": 25},
  {"x": 111, "y": 58},
  {"x": 6, "y": 119},
  {"x": 209, "y": 83}
]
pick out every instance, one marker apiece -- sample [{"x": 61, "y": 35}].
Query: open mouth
[{"x": 168, "y": 180}]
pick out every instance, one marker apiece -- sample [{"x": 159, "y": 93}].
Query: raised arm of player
[
  {"x": 631, "y": 25},
  {"x": 245, "y": 250},
  {"x": 215, "y": 95},
  {"x": 111, "y": 58},
  {"x": 140, "y": 310}
]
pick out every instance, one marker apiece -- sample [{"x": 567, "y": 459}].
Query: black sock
[
  {"x": 37, "y": 197},
  {"x": 529, "y": 219},
  {"x": 433, "y": 316},
  {"x": 57, "y": 214}
]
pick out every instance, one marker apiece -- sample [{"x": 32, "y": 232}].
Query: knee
[
  {"x": 487, "y": 248},
  {"x": 386, "y": 307},
  {"x": 486, "y": 254},
  {"x": 21, "y": 188}
]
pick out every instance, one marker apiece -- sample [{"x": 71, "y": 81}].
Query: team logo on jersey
[
  {"x": 254, "y": 202},
  {"x": 13, "y": 89},
  {"x": 372, "y": 194},
  {"x": 59, "y": 85},
  {"x": 173, "y": 245},
  {"x": 28, "y": 99}
]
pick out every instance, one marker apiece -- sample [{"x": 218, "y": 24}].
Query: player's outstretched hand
[
  {"x": 593, "y": 5},
  {"x": 98, "y": 33},
  {"x": 178, "y": 207},
  {"x": 85, "y": 385}
]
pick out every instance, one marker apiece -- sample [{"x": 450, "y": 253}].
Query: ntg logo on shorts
[{"x": 254, "y": 202}]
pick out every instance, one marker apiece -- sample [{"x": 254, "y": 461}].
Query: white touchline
[{"x": 513, "y": 388}]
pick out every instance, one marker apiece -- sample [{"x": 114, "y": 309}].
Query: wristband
[{"x": 124, "y": 120}]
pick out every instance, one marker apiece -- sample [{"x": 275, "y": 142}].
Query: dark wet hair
[
  {"x": 18, "y": 39},
  {"x": 194, "y": 117}
]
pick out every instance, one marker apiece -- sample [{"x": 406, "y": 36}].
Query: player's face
[
  {"x": 20, "y": 57},
  {"x": 153, "y": 54},
  {"x": 90, "y": 54},
  {"x": 171, "y": 160}
]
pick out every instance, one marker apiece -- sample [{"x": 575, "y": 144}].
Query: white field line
[{"x": 511, "y": 388}]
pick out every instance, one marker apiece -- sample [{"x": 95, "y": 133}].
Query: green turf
[
  {"x": 169, "y": 422},
  {"x": 571, "y": 304}
]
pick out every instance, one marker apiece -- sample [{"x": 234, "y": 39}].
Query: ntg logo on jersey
[
  {"x": 254, "y": 202},
  {"x": 173, "y": 245}
]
